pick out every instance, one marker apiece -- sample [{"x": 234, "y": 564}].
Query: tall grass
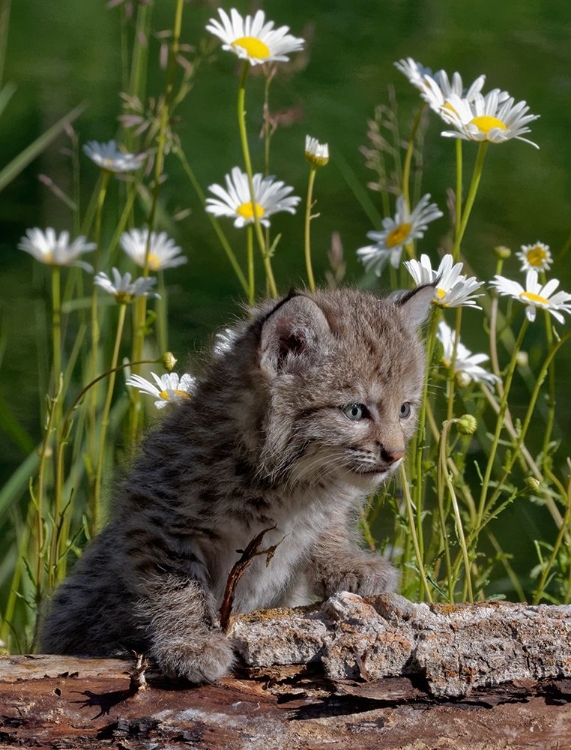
[{"x": 472, "y": 457}]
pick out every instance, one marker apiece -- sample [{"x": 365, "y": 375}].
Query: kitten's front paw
[
  {"x": 204, "y": 657},
  {"x": 368, "y": 575}
]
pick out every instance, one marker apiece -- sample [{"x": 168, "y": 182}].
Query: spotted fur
[{"x": 265, "y": 441}]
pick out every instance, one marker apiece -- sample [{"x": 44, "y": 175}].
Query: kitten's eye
[
  {"x": 355, "y": 411},
  {"x": 405, "y": 410}
]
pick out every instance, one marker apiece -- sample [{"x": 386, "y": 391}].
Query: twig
[
  {"x": 238, "y": 570},
  {"x": 138, "y": 679}
]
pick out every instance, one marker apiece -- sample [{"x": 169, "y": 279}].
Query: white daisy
[
  {"x": 235, "y": 201},
  {"x": 535, "y": 257},
  {"x": 404, "y": 227},
  {"x": 535, "y": 295},
  {"x": 452, "y": 288},
  {"x": 254, "y": 39},
  {"x": 170, "y": 387},
  {"x": 415, "y": 72},
  {"x": 54, "y": 250},
  {"x": 435, "y": 88},
  {"x": 107, "y": 156},
  {"x": 440, "y": 88},
  {"x": 317, "y": 154},
  {"x": 123, "y": 288},
  {"x": 466, "y": 365},
  {"x": 493, "y": 118},
  {"x": 163, "y": 253}
]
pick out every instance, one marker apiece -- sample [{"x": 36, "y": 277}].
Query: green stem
[
  {"x": 105, "y": 421},
  {"x": 267, "y": 124},
  {"x": 451, "y": 375},
  {"x": 250, "y": 253},
  {"x": 248, "y": 165},
  {"x": 500, "y": 423},
  {"x": 139, "y": 57},
  {"x": 308, "y": 206},
  {"x": 56, "y": 324},
  {"x": 421, "y": 431},
  {"x": 132, "y": 193},
  {"x": 52, "y": 558},
  {"x": 556, "y": 547},
  {"x": 99, "y": 217},
  {"x": 408, "y": 157},
  {"x": 215, "y": 224},
  {"x": 443, "y": 529},
  {"x": 162, "y": 314},
  {"x": 528, "y": 415},
  {"x": 124, "y": 51},
  {"x": 458, "y": 206},
  {"x": 14, "y": 591},
  {"x": 54, "y": 408},
  {"x": 412, "y": 527},
  {"x": 551, "y": 394},
  {"x": 141, "y": 303},
  {"x": 457, "y": 516},
  {"x": 472, "y": 190},
  {"x": 91, "y": 209},
  {"x": 95, "y": 328},
  {"x": 86, "y": 389},
  {"x": 62, "y": 442}
]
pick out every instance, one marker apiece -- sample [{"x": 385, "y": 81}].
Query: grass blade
[
  {"x": 18, "y": 482},
  {"x": 6, "y": 95},
  {"x": 34, "y": 149}
]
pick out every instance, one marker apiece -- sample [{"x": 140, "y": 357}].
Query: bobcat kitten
[{"x": 307, "y": 411}]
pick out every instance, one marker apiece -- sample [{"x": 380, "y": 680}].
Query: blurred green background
[{"x": 62, "y": 53}]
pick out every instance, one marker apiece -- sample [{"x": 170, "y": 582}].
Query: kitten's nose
[{"x": 390, "y": 455}]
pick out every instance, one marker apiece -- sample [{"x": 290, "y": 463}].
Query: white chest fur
[{"x": 299, "y": 523}]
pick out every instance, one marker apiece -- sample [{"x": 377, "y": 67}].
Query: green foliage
[{"x": 476, "y": 457}]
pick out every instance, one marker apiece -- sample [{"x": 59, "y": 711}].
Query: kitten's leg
[
  {"x": 338, "y": 564},
  {"x": 300, "y": 593},
  {"x": 180, "y": 616}
]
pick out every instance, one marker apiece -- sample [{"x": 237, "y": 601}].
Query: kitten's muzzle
[{"x": 391, "y": 455}]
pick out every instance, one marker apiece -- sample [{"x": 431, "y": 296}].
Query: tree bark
[{"x": 351, "y": 673}]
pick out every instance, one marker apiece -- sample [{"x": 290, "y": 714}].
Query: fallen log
[{"x": 347, "y": 673}]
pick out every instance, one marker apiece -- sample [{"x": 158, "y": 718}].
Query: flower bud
[
  {"x": 316, "y": 154},
  {"x": 467, "y": 424},
  {"x": 502, "y": 252},
  {"x": 532, "y": 483},
  {"x": 522, "y": 359},
  {"x": 463, "y": 379},
  {"x": 168, "y": 361}
]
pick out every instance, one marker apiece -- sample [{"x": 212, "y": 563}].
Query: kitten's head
[{"x": 342, "y": 374}]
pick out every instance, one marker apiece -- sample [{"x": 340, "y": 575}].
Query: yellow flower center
[
  {"x": 440, "y": 293},
  {"x": 154, "y": 262},
  {"x": 123, "y": 298},
  {"x": 485, "y": 123},
  {"x": 246, "y": 210},
  {"x": 536, "y": 256},
  {"x": 398, "y": 235},
  {"x": 253, "y": 46},
  {"x": 181, "y": 394},
  {"x": 534, "y": 298}
]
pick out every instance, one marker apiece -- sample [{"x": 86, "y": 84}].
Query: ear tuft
[
  {"x": 293, "y": 332},
  {"x": 414, "y": 303}
]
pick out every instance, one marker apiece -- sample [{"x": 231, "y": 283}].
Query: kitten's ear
[
  {"x": 292, "y": 332},
  {"x": 414, "y": 303}
]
